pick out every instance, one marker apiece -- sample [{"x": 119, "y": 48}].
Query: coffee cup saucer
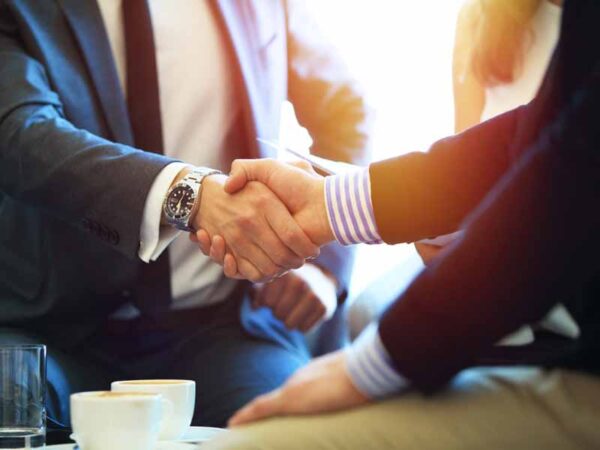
[
  {"x": 200, "y": 434},
  {"x": 194, "y": 435},
  {"x": 160, "y": 446}
]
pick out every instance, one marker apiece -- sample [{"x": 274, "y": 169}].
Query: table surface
[{"x": 160, "y": 446}]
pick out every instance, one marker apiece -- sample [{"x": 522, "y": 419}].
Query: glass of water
[{"x": 22, "y": 396}]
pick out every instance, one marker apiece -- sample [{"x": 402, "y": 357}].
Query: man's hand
[
  {"x": 261, "y": 234},
  {"x": 322, "y": 386},
  {"x": 428, "y": 252},
  {"x": 300, "y": 299},
  {"x": 296, "y": 184}
]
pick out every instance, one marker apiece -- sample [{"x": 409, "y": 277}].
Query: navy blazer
[
  {"x": 527, "y": 187},
  {"x": 72, "y": 187}
]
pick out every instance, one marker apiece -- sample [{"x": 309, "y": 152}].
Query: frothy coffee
[{"x": 109, "y": 394}]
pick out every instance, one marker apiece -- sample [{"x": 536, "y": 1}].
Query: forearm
[
  {"x": 532, "y": 242},
  {"x": 423, "y": 195},
  {"x": 72, "y": 174},
  {"x": 521, "y": 229}
]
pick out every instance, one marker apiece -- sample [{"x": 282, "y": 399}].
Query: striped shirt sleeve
[
  {"x": 370, "y": 366},
  {"x": 350, "y": 208}
]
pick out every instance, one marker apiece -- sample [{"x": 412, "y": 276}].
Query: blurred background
[{"x": 401, "y": 52}]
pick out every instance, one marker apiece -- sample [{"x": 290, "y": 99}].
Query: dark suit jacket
[
  {"x": 72, "y": 187},
  {"x": 527, "y": 186}
]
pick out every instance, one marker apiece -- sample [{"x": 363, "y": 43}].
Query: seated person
[
  {"x": 104, "y": 105},
  {"x": 529, "y": 181}
]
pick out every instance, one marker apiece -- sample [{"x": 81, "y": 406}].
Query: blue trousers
[{"x": 229, "y": 365}]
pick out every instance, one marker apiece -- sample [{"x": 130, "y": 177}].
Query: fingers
[
  {"x": 248, "y": 271},
  {"x": 278, "y": 252},
  {"x": 230, "y": 267},
  {"x": 243, "y": 171},
  {"x": 286, "y": 300},
  {"x": 244, "y": 271},
  {"x": 313, "y": 320},
  {"x": 292, "y": 301},
  {"x": 261, "y": 269},
  {"x": 279, "y": 296},
  {"x": 217, "y": 249},
  {"x": 428, "y": 252},
  {"x": 267, "y": 405},
  {"x": 303, "y": 310},
  {"x": 304, "y": 165},
  {"x": 290, "y": 234},
  {"x": 270, "y": 294}
]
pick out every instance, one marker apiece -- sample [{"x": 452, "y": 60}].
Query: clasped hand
[{"x": 266, "y": 218}]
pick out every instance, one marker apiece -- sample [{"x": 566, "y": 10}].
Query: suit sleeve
[
  {"x": 532, "y": 241},
  {"x": 45, "y": 161},
  {"x": 330, "y": 104},
  {"x": 424, "y": 195}
]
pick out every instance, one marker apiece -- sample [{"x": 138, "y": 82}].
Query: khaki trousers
[{"x": 483, "y": 409}]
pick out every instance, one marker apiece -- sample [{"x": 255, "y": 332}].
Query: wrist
[
  {"x": 212, "y": 185},
  {"x": 182, "y": 202},
  {"x": 324, "y": 233}
]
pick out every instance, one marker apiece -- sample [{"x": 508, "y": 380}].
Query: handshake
[{"x": 265, "y": 218}]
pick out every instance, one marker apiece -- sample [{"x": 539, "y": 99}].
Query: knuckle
[
  {"x": 272, "y": 270},
  {"x": 245, "y": 220},
  {"x": 255, "y": 278},
  {"x": 290, "y": 236},
  {"x": 234, "y": 236},
  {"x": 261, "y": 406},
  {"x": 263, "y": 200},
  {"x": 304, "y": 165},
  {"x": 302, "y": 288},
  {"x": 294, "y": 282},
  {"x": 287, "y": 259},
  {"x": 280, "y": 314}
]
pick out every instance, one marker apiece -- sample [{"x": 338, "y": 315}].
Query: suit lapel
[
  {"x": 85, "y": 21},
  {"x": 235, "y": 28}
]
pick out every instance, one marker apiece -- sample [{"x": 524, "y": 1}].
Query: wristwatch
[{"x": 183, "y": 199}]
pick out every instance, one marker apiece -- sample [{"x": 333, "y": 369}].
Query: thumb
[
  {"x": 237, "y": 177},
  {"x": 246, "y": 170}
]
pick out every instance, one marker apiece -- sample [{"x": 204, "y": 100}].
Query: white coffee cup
[
  {"x": 117, "y": 420},
  {"x": 180, "y": 393}
]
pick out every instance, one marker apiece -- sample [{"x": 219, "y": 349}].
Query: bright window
[{"x": 401, "y": 52}]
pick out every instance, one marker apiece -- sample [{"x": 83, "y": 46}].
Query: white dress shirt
[{"x": 198, "y": 107}]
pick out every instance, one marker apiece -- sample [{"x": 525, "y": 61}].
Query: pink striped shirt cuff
[{"x": 350, "y": 208}]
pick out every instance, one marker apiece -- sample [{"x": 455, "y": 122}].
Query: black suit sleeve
[
  {"x": 423, "y": 195},
  {"x": 330, "y": 104},
  {"x": 533, "y": 240}
]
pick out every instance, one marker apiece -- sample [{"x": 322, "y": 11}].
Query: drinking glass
[{"x": 22, "y": 395}]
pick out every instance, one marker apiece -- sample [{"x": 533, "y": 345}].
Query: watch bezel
[{"x": 189, "y": 195}]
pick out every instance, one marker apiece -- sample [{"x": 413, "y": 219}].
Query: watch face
[{"x": 180, "y": 202}]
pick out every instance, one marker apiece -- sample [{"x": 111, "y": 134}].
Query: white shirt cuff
[
  {"x": 370, "y": 366},
  {"x": 154, "y": 238}
]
